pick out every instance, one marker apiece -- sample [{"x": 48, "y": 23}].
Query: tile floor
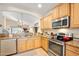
[{"x": 35, "y": 52}]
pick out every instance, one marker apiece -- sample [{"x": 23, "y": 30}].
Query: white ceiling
[
  {"x": 33, "y": 13},
  {"x": 32, "y": 7}
]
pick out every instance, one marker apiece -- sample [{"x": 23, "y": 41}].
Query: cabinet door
[
  {"x": 55, "y": 13},
  {"x": 70, "y": 53},
  {"x": 64, "y": 10},
  {"x": 75, "y": 15},
  {"x": 21, "y": 45},
  {"x": 42, "y": 23},
  {"x": 49, "y": 22},
  {"x": 45, "y": 23},
  {"x": 30, "y": 44},
  {"x": 45, "y": 43},
  {"x": 37, "y": 43}
]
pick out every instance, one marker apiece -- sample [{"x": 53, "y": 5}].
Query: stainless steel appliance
[
  {"x": 56, "y": 23},
  {"x": 62, "y": 22},
  {"x": 65, "y": 21},
  {"x": 64, "y": 37},
  {"x": 7, "y": 46},
  {"x": 56, "y": 47}
]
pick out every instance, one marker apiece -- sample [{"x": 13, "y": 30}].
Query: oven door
[{"x": 55, "y": 49}]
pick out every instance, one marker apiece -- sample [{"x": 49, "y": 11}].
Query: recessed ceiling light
[{"x": 39, "y": 5}]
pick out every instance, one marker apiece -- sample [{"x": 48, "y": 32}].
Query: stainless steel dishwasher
[{"x": 7, "y": 46}]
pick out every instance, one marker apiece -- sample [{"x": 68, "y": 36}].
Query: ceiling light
[{"x": 39, "y": 5}]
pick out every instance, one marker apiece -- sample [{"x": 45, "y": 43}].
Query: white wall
[{"x": 66, "y": 30}]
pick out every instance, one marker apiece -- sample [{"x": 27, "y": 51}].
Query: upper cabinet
[
  {"x": 49, "y": 21},
  {"x": 75, "y": 15},
  {"x": 64, "y": 10},
  {"x": 55, "y": 13},
  {"x": 41, "y": 23}
]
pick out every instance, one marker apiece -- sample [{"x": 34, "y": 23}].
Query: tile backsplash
[{"x": 64, "y": 30}]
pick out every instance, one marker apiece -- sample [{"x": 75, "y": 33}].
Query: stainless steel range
[{"x": 56, "y": 47}]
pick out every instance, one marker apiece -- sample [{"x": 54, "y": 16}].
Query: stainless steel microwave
[
  {"x": 56, "y": 23},
  {"x": 61, "y": 23},
  {"x": 65, "y": 21}
]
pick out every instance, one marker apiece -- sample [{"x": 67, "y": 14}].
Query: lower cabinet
[
  {"x": 45, "y": 43},
  {"x": 72, "y": 51},
  {"x": 26, "y": 44},
  {"x": 37, "y": 42},
  {"x": 30, "y": 44},
  {"x": 21, "y": 45}
]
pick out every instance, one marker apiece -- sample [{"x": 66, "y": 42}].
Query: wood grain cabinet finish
[
  {"x": 42, "y": 23},
  {"x": 26, "y": 44},
  {"x": 46, "y": 22},
  {"x": 30, "y": 44},
  {"x": 75, "y": 15},
  {"x": 45, "y": 43},
  {"x": 72, "y": 51},
  {"x": 37, "y": 42},
  {"x": 21, "y": 45},
  {"x": 55, "y": 13},
  {"x": 64, "y": 10},
  {"x": 49, "y": 22}
]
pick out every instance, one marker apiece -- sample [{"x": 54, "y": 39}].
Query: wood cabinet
[
  {"x": 38, "y": 42},
  {"x": 55, "y": 13},
  {"x": 64, "y": 10},
  {"x": 45, "y": 43},
  {"x": 30, "y": 44},
  {"x": 21, "y": 45},
  {"x": 25, "y": 44},
  {"x": 59, "y": 11},
  {"x": 42, "y": 23},
  {"x": 72, "y": 51},
  {"x": 49, "y": 22},
  {"x": 46, "y": 22},
  {"x": 75, "y": 15}
]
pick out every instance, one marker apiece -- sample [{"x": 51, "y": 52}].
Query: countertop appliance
[
  {"x": 64, "y": 37},
  {"x": 56, "y": 47}
]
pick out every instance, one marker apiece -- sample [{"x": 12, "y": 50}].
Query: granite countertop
[
  {"x": 3, "y": 38},
  {"x": 17, "y": 37},
  {"x": 74, "y": 43}
]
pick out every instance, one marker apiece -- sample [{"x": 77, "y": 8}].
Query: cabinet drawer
[
  {"x": 71, "y": 48},
  {"x": 70, "y": 53}
]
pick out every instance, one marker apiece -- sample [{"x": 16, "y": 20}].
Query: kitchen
[{"x": 26, "y": 31}]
